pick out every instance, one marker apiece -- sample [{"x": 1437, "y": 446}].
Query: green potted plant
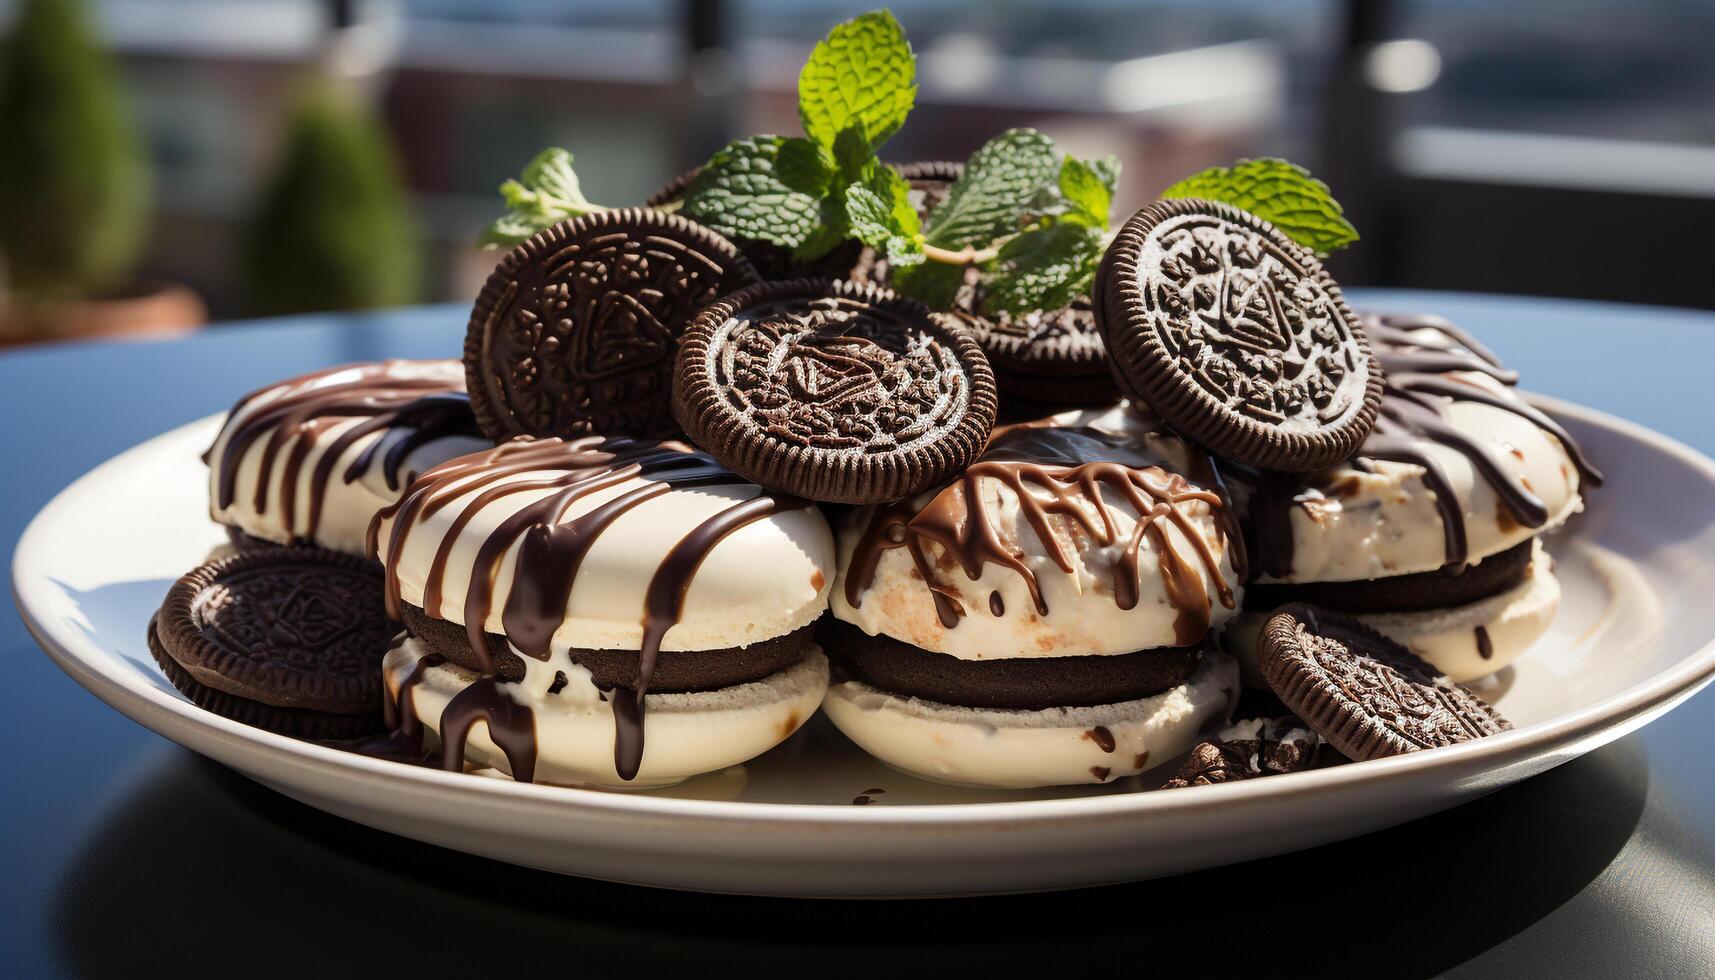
[
  {"x": 333, "y": 229},
  {"x": 74, "y": 190}
]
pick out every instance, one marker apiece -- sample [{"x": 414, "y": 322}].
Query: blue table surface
[{"x": 122, "y": 851}]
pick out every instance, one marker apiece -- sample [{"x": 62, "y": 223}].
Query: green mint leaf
[
  {"x": 1108, "y": 169},
  {"x": 864, "y": 73},
  {"x": 1088, "y": 196},
  {"x": 881, "y": 216},
  {"x": 1000, "y": 181},
  {"x": 1277, "y": 191},
  {"x": 936, "y": 284},
  {"x": 551, "y": 173},
  {"x": 1043, "y": 269},
  {"x": 741, "y": 193},
  {"x": 831, "y": 228},
  {"x": 513, "y": 228},
  {"x": 854, "y": 160},
  {"x": 516, "y": 195},
  {"x": 804, "y": 166},
  {"x": 547, "y": 193},
  {"x": 870, "y": 216}
]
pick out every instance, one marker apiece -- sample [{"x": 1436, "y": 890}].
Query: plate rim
[{"x": 100, "y": 675}]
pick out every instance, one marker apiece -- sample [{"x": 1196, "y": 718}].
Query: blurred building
[{"x": 1561, "y": 147}]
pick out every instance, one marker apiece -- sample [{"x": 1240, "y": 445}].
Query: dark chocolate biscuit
[
  {"x": 1236, "y": 336},
  {"x": 833, "y": 391},
  {"x": 293, "y": 722},
  {"x": 1025, "y": 683},
  {"x": 1364, "y": 693},
  {"x": 575, "y": 330},
  {"x": 1045, "y": 361},
  {"x": 675, "y": 670},
  {"x": 1439, "y": 589},
  {"x": 1281, "y": 746},
  {"x": 291, "y": 627},
  {"x": 774, "y": 263}
]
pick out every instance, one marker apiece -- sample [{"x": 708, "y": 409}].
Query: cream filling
[
  {"x": 1021, "y": 749},
  {"x": 1386, "y": 523},
  {"x": 684, "y": 734}
]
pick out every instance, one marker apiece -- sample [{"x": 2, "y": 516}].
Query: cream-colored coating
[
  {"x": 1021, "y": 749},
  {"x": 1083, "y": 617},
  {"x": 761, "y": 581},
  {"x": 1353, "y": 525},
  {"x": 348, "y": 507},
  {"x": 1447, "y": 638},
  {"x": 683, "y": 734}
]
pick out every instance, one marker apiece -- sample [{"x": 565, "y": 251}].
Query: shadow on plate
[{"x": 229, "y": 874}]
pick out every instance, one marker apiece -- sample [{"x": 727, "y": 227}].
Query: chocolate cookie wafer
[
  {"x": 1045, "y": 361},
  {"x": 1364, "y": 693},
  {"x": 295, "y": 722},
  {"x": 832, "y": 391},
  {"x": 1236, "y": 336},
  {"x": 290, "y": 627},
  {"x": 575, "y": 330}
]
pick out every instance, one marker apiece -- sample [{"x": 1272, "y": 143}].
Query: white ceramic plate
[{"x": 1634, "y": 638}]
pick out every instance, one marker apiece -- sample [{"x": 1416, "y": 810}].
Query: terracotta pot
[{"x": 144, "y": 308}]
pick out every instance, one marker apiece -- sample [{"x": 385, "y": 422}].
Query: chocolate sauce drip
[
  {"x": 511, "y": 726},
  {"x": 425, "y": 409},
  {"x": 551, "y": 550},
  {"x": 1103, "y": 738},
  {"x": 1485, "y": 646},
  {"x": 1422, "y": 357},
  {"x": 1055, "y": 472}
]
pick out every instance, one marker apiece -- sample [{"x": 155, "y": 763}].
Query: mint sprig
[
  {"x": 546, "y": 193},
  {"x": 1279, "y": 192},
  {"x": 853, "y": 94},
  {"x": 1054, "y": 261},
  {"x": 880, "y": 213}
]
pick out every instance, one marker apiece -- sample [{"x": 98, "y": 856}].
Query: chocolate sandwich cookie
[
  {"x": 833, "y": 391},
  {"x": 575, "y": 330},
  {"x": 293, "y": 722},
  {"x": 1236, "y": 336},
  {"x": 618, "y": 612},
  {"x": 1364, "y": 693},
  {"x": 1246, "y": 750},
  {"x": 1432, "y": 532},
  {"x": 1044, "y": 618},
  {"x": 297, "y": 628},
  {"x": 774, "y": 263},
  {"x": 1044, "y": 361},
  {"x": 311, "y": 459}
]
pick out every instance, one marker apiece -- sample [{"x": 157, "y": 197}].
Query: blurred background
[{"x": 233, "y": 158}]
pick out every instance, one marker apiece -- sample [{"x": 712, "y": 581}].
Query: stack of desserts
[{"x": 683, "y": 490}]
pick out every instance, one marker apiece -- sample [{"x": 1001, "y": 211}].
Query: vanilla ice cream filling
[
  {"x": 1382, "y": 519},
  {"x": 572, "y": 723}
]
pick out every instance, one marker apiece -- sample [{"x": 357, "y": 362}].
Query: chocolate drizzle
[
  {"x": 1063, "y": 478},
  {"x": 551, "y": 550},
  {"x": 1423, "y": 358},
  {"x": 426, "y": 408}
]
